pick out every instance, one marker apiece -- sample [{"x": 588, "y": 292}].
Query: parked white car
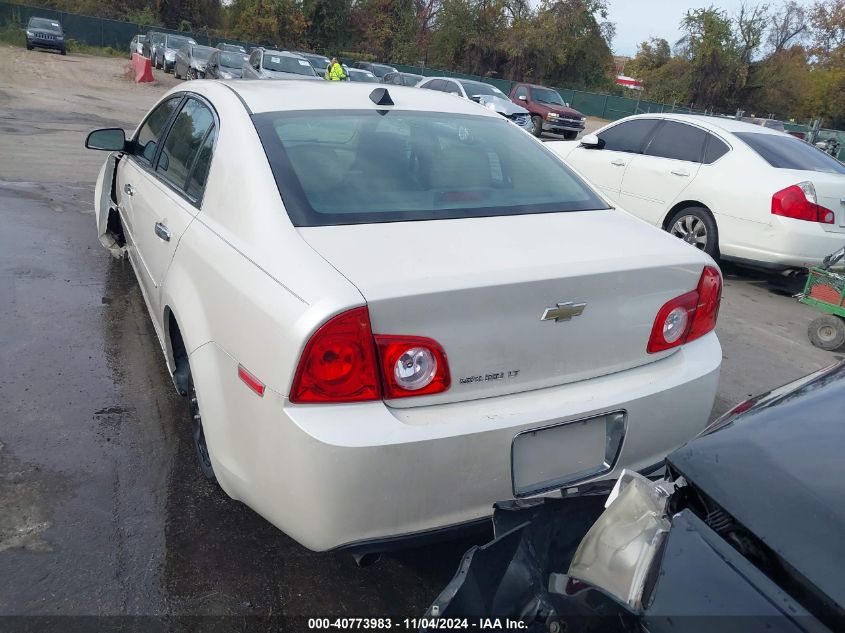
[
  {"x": 736, "y": 190},
  {"x": 486, "y": 94},
  {"x": 389, "y": 314}
]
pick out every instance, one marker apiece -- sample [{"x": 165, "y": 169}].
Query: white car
[
  {"x": 740, "y": 191},
  {"x": 391, "y": 313},
  {"x": 486, "y": 94}
]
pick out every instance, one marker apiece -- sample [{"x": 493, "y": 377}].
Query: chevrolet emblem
[{"x": 563, "y": 312}]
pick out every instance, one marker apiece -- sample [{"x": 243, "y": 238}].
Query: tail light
[
  {"x": 799, "y": 202},
  {"x": 688, "y": 317},
  {"x": 344, "y": 362},
  {"x": 339, "y": 362},
  {"x": 412, "y": 366}
]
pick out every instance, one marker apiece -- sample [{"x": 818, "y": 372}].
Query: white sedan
[
  {"x": 388, "y": 314},
  {"x": 732, "y": 189}
]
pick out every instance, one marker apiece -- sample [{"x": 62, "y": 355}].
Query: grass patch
[{"x": 14, "y": 35}]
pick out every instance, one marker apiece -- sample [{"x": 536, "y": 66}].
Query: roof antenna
[{"x": 380, "y": 96}]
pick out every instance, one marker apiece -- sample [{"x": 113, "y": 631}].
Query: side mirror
[
  {"x": 108, "y": 139},
  {"x": 591, "y": 141},
  {"x": 522, "y": 98}
]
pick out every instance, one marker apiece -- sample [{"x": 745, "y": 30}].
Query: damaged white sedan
[{"x": 388, "y": 314}]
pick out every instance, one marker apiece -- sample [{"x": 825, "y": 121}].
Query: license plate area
[{"x": 566, "y": 452}]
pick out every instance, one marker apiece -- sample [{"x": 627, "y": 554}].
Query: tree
[
  {"x": 385, "y": 29},
  {"x": 827, "y": 19},
  {"x": 709, "y": 44},
  {"x": 651, "y": 55},
  {"x": 278, "y": 23},
  {"x": 751, "y": 25},
  {"x": 788, "y": 25},
  {"x": 328, "y": 25}
]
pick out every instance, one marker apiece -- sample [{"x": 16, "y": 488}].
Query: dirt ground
[{"x": 48, "y": 102}]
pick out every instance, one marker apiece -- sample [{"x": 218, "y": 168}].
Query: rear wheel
[
  {"x": 695, "y": 226},
  {"x": 197, "y": 431},
  {"x": 827, "y": 332},
  {"x": 570, "y": 136},
  {"x": 64, "y": 51},
  {"x": 537, "y": 124}
]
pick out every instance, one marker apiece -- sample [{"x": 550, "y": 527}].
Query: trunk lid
[{"x": 480, "y": 286}]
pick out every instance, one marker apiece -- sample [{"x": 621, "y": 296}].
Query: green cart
[{"x": 825, "y": 291}]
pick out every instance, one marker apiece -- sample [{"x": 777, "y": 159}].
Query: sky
[{"x": 637, "y": 20}]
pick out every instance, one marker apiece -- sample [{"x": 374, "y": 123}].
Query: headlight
[
  {"x": 30, "y": 34},
  {"x": 583, "y": 118},
  {"x": 618, "y": 550},
  {"x": 552, "y": 115}
]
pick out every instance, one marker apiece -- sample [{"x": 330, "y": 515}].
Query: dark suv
[{"x": 45, "y": 33}]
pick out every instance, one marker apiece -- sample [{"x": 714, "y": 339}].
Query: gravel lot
[{"x": 102, "y": 510}]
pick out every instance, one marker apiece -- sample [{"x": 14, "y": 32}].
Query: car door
[
  {"x": 165, "y": 201},
  {"x": 605, "y": 165},
  {"x": 668, "y": 164}
]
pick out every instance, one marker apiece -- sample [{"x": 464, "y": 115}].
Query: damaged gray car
[{"x": 743, "y": 534}]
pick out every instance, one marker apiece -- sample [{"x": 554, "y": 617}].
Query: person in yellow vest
[{"x": 335, "y": 71}]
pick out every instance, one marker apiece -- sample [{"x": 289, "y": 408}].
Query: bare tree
[
  {"x": 751, "y": 24},
  {"x": 788, "y": 24}
]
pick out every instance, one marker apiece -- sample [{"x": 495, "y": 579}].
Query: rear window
[
  {"x": 788, "y": 152},
  {"x": 359, "y": 167}
]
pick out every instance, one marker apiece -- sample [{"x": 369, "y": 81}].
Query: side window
[
  {"x": 714, "y": 149},
  {"x": 183, "y": 142},
  {"x": 678, "y": 141},
  {"x": 147, "y": 140},
  {"x": 452, "y": 87},
  {"x": 522, "y": 91},
  {"x": 629, "y": 136},
  {"x": 199, "y": 172}
]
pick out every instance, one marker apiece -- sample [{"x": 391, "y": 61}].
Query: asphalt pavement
[{"x": 102, "y": 508}]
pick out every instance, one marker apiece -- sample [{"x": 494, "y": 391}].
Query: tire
[
  {"x": 696, "y": 226},
  {"x": 64, "y": 51},
  {"x": 537, "y": 123},
  {"x": 198, "y": 433},
  {"x": 570, "y": 136},
  {"x": 827, "y": 332},
  {"x": 29, "y": 46}
]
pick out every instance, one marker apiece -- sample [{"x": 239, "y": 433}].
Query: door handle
[
  {"x": 162, "y": 231},
  {"x": 681, "y": 172},
  {"x": 618, "y": 162},
  {"x": 129, "y": 189}
]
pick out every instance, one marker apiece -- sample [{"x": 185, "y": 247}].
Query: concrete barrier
[{"x": 142, "y": 67}]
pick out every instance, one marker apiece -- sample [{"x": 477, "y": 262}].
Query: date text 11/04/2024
[{"x": 416, "y": 624}]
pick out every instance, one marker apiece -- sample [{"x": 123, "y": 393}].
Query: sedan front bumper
[{"x": 347, "y": 474}]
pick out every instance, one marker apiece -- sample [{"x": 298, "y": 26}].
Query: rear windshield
[
  {"x": 359, "y": 167},
  {"x": 381, "y": 71},
  {"x": 45, "y": 25},
  {"x": 285, "y": 64},
  {"x": 474, "y": 88},
  {"x": 788, "y": 152}
]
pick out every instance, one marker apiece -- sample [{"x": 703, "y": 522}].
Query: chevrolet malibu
[{"x": 389, "y": 313}]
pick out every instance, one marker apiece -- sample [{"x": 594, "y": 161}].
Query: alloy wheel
[{"x": 692, "y": 230}]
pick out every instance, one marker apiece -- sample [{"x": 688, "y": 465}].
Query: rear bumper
[
  {"x": 348, "y": 475},
  {"x": 782, "y": 244}
]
